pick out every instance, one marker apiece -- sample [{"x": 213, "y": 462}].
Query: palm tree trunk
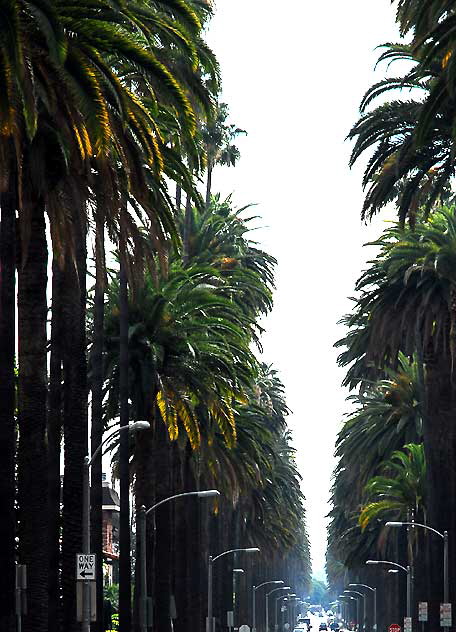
[
  {"x": 439, "y": 442},
  {"x": 187, "y": 230},
  {"x": 144, "y": 495},
  {"x": 124, "y": 456},
  {"x": 32, "y": 462},
  {"x": 208, "y": 185},
  {"x": 7, "y": 407},
  {"x": 163, "y": 482},
  {"x": 178, "y": 197},
  {"x": 54, "y": 439},
  {"x": 96, "y": 484},
  {"x": 75, "y": 416},
  {"x": 187, "y": 580}
]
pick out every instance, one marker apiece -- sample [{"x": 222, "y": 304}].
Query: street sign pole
[
  {"x": 86, "y": 543},
  {"x": 445, "y": 572}
]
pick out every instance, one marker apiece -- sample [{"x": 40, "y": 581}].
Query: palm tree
[
  {"x": 400, "y": 491},
  {"x": 408, "y": 293},
  {"x": 408, "y": 163},
  {"x": 218, "y": 137},
  {"x": 8, "y": 206},
  {"x": 190, "y": 343},
  {"x": 79, "y": 86}
]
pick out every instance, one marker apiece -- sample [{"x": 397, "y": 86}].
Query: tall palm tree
[
  {"x": 8, "y": 205},
  {"x": 408, "y": 164},
  {"x": 408, "y": 292},
  {"x": 400, "y": 491},
  {"x": 218, "y": 137},
  {"x": 188, "y": 341}
]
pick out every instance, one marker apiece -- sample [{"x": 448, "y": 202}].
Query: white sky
[{"x": 293, "y": 76}]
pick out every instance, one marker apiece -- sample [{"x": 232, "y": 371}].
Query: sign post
[
  {"x": 21, "y": 594},
  {"x": 86, "y": 601},
  {"x": 423, "y": 611},
  {"x": 445, "y": 615},
  {"x": 407, "y": 624}
]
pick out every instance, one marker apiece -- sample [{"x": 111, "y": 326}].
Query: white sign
[
  {"x": 422, "y": 611},
  {"x": 445, "y": 615},
  {"x": 85, "y": 566},
  {"x": 244, "y": 628},
  {"x": 407, "y": 624}
]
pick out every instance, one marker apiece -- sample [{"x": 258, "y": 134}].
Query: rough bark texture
[
  {"x": 32, "y": 462},
  {"x": 144, "y": 495},
  {"x": 162, "y": 574},
  {"x": 439, "y": 433},
  {"x": 178, "y": 196},
  {"x": 188, "y": 554},
  {"x": 187, "y": 230},
  {"x": 208, "y": 185},
  {"x": 96, "y": 483},
  {"x": 7, "y": 405},
  {"x": 54, "y": 439},
  {"x": 75, "y": 418},
  {"x": 124, "y": 468}
]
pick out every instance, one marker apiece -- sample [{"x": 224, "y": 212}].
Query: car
[
  {"x": 322, "y": 626},
  {"x": 335, "y": 626}
]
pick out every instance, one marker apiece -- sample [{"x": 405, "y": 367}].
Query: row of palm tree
[
  {"x": 105, "y": 105},
  {"x": 218, "y": 416},
  {"x": 396, "y": 449}
]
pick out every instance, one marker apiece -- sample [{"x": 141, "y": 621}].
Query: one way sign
[{"x": 85, "y": 566}]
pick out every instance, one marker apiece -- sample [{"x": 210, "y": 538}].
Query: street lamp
[
  {"x": 292, "y": 606},
  {"x": 406, "y": 569},
  {"x": 267, "y": 602},
  {"x": 444, "y": 536},
  {"x": 142, "y": 517},
  {"x": 356, "y": 592},
  {"x": 236, "y": 572},
  {"x": 285, "y": 598},
  {"x": 209, "y": 622},
  {"x": 374, "y": 591},
  {"x": 137, "y": 425},
  {"x": 255, "y": 588},
  {"x": 348, "y": 609}
]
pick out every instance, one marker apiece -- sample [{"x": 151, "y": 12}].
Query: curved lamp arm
[
  {"x": 414, "y": 524},
  {"x": 403, "y": 568},
  {"x": 278, "y": 581},
  {"x": 250, "y": 550},
  {"x": 362, "y": 586},
  {"x": 137, "y": 425},
  {"x": 202, "y": 494}
]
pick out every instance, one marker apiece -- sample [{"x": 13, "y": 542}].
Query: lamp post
[
  {"x": 142, "y": 517},
  {"x": 356, "y": 592},
  {"x": 285, "y": 598},
  {"x": 374, "y": 593},
  {"x": 209, "y": 622},
  {"x": 137, "y": 425},
  {"x": 348, "y": 610},
  {"x": 236, "y": 572},
  {"x": 255, "y": 588},
  {"x": 444, "y": 536},
  {"x": 292, "y": 605},
  {"x": 406, "y": 569},
  {"x": 267, "y": 602}
]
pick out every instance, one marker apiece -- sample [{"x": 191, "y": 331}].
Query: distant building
[{"x": 111, "y": 509}]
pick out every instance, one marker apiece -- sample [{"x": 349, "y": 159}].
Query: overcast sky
[{"x": 293, "y": 76}]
